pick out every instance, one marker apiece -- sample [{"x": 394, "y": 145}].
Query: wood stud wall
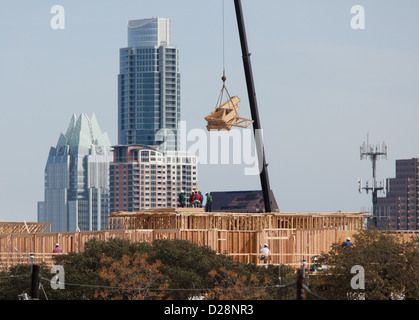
[{"x": 291, "y": 236}]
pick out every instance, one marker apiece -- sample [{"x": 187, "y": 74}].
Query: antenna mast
[{"x": 368, "y": 151}]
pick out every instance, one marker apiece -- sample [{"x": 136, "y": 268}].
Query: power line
[
  {"x": 14, "y": 276},
  {"x": 312, "y": 293},
  {"x": 165, "y": 289},
  {"x": 172, "y": 289}
]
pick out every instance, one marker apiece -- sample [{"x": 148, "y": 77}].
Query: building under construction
[{"x": 291, "y": 237}]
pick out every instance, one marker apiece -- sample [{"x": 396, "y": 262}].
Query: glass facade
[
  {"x": 77, "y": 179},
  {"x": 148, "y": 32},
  {"x": 149, "y": 86}
]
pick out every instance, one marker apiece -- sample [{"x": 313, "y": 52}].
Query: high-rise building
[
  {"x": 141, "y": 177},
  {"x": 77, "y": 179},
  {"x": 399, "y": 209},
  {"x": 149, "y": 85}
]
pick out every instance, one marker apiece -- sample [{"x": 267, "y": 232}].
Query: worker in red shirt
[{"x": 57, "y": 250}]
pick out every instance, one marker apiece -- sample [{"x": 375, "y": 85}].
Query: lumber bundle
[{"x": 226, "y": 116}]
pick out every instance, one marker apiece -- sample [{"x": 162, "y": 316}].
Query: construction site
[{"x": 291, "y": 237}]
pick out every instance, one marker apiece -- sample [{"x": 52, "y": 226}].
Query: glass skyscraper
[
  {"x": 149, "y": 86},
  {"x": 77, "y": 179}
]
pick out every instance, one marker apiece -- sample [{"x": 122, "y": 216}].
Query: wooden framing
[
  {"x": 24, "y": 227},
  {"x": 196, "y": 218},
  {"x": 291, "y": 237},
  {"x": 225, "y": 116}
]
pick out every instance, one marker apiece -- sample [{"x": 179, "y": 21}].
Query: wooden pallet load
[{"x": 226, "y": 116}]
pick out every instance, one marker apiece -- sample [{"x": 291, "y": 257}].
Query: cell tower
[{"x": 373, "y": 153}]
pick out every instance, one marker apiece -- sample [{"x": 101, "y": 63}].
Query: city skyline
[{"x": 321, "y": 87}]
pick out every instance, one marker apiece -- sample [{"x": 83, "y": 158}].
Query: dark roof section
[{"x": 241, "y": 201}]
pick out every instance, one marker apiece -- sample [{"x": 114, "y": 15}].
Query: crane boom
[{"x": 264, "y": 178}]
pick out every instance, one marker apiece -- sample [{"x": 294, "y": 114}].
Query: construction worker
[
  {"x": 208, "y": 203},
  {"x": 196, "y": 199},
  {"x": 265, "y": 254},
  {"x": 201, "y": 199},
  {"x": 347, "y": 243},
  {"x": 57, "y": 250},
  {"x": 182, "y": 199},
  {"x": 191, "y": 199},
  {"x": 316, "y": 265}
]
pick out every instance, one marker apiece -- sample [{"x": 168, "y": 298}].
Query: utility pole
[
  {"x": 301, "y": 282},
  {"x": 263, "y": 167},
  {"x": 35, "y": 282}
]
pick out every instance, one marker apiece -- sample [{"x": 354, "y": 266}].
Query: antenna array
[{"x": 373, "y": 153}]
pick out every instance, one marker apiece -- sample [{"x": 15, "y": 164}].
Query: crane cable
[
  {"x": 223, "y": 78},
  {"x": 223, "y": 26}
]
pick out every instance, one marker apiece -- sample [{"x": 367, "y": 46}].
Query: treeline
[
  {"x": 165, "y": 269},
  {"x": 378, "y": 267}
]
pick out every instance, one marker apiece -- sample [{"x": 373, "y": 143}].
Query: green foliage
[
  {"x": 188, "y": 266},
  {"x": 185, "y": 269},
  {"x": 18, "y": 281},
  {"x": 81, "y": 269},
  {"x": 182, "y": 270},
  {"x": 391, "y": 268},
  {"x": 411, "y": 270}
]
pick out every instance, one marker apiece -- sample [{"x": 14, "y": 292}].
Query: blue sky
[{"x": 321, "y": 87}]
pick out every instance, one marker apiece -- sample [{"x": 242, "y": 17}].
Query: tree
[
  {"x": 168, "y": 269},
  {"x": 411, "y": 274},
  {"x": 386, "y": 262},
  {"x": 17, "y": 280},
  {"x": 131, "y": 278},
  {"x": 189, "y": 266},
  {"x": 229, "y": 285},
  {"x": 82, "y": 268}
]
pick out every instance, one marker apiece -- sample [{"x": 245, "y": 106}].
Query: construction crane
[
  {"x": 264, "y": 178},
  {"x": 225, "y": 115}
]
